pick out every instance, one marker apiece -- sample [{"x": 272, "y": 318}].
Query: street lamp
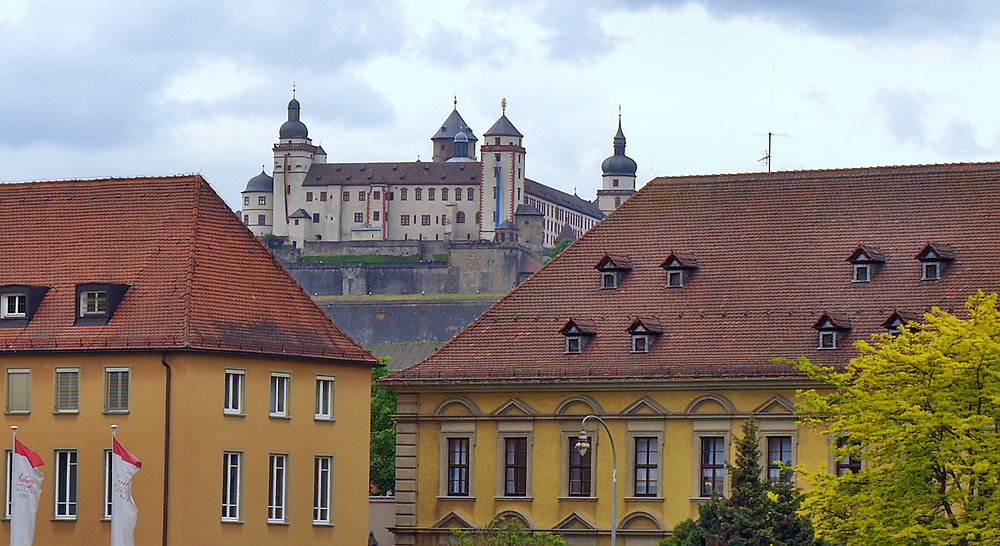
[{"x": 582, "y": 445}]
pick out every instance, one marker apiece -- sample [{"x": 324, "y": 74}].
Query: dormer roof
[
  {"x": 578, "y": 327},
  {"x": 934, "y": 252},
  {"x": 677, "y": 260},
  {"x": 865, "y": 254},
  {"x": 832, "y": 321},
  {"x": 646, "y": 325},
  {"x": 613, "y": 263},
  {"x": 898, "y": 318}
]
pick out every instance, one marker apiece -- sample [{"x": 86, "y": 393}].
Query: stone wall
[{"x": 402, "y": 320}]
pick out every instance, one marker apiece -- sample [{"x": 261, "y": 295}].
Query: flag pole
[{"x": 13, "y": 438}]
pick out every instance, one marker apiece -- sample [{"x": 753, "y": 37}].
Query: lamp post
[{"x": 582, "y": 445}]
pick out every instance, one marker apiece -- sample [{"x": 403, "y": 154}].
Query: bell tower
[
  {"x": 503, "y": 174},
  {"x": 618, "y": 177}
]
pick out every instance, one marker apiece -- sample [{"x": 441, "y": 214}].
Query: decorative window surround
[
  {"x": 451, "y": 485},
  {"x": 865, "y": 260},
  {"x": 831, "y": 328},
  {"x": 934, "y": 259},
  {"x": 679, "y": 267},
  {"x": 613, "y": 270},
  {"x": 578, "y": 332},
  {"x": 514, "y": 446}
]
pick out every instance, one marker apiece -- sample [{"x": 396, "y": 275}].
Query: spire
[
  {"x": 454, "y": 103},
  {"x": 619, "y": 142}
]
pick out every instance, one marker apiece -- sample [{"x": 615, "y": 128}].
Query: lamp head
[{"x": 582, "y": 445}]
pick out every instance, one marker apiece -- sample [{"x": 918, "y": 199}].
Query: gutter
[{"x": 166, "y": 445}]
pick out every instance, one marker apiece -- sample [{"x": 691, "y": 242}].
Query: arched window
[
  {"x": 444, "y": 194},
  {"x": 418, "y": 194},
  {"x": 458, "y": 194},
  {"x": 459, "y": 217},
  {"x": 471, "y": 195}
]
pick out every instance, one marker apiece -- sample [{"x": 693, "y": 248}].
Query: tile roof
[
  {"x": 771, "y": 250},
  {"x": 563, "y": 199},
  {"x": 413, "y": 172},
  {"x": 197, "y": 278}
]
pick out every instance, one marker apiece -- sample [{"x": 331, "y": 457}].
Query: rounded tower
[
  {"x": 618, "y": 175},
  {"x": 258, "y": 204},
  {"x": 294, "y": 154}
]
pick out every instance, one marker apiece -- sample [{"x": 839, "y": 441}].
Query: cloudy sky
[{"x": 133, "y": 88}]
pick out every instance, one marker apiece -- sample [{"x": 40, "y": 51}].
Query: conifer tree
[{"x": 744, "y": 517}]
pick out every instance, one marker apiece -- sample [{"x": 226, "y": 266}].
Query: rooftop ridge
[{"x": 837, "y": 170}]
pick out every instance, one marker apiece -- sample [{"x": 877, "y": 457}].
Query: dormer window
[
  {"x": 865, "y": 260},
  {"x": 577, "y": 333},
  {"x": 934, "y": 258},
  {"x": 96, "y": 302},
  {"x": 613, "y": 270},
  {"x": 897, "y": 320},
  {"x": 18, "y": 303},
  {"x": 679, "y": 267},
  {"x": 643, "y": 332},
  {"x": 830, "y": 328}
]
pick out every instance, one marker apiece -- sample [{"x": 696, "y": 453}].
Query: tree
[
  {"x": 757, "y": 513},
  {"x": 382, "y": 472},
  {"x": 271, "y": 241},
  {"x": 506, "y": 532},
  {"x": 921, "y": 411},
  {"x": 559, "y": 247}
]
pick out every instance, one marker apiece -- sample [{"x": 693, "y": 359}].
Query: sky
[{"x": 137, "y": 88}]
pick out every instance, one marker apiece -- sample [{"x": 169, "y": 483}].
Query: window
[
  {"x": 418, "y": 194},
  {"x": 640, "y": 344},
  {"x": 444, "y": 194},
  {"x": 65, "y": 486},
  {"x": 232, "y": 403},
  {"x": 646, "y": 466},
  {"x": 425, "y": 220},
  {"x": 430, "y": 194},
  {"x": 675, "y": 278},
  {"x": 322, "y": 196},
  {"x": 246, "y": 219},
  {"x": 279, "y": 394},
  {"x": 322, "y": 481},
  {"x": 109, "y": 483},
  {"x": 361, "y": 196},
  {"x": 246, "y": 200},
  {"x": 609, "y": 280},
  {"x": 377, "y": 196},
  {"x": 93, "y": 302},
  {"x": 515, "y": 467},
  {"x": 577, "y": 333},
  {"x": 830, "y": 327},
  {"x": 359, "y": 217},
  {"x": 315, "y": 217},
  {"x": 614, "y": 182},
  {"x": 827, "y": 339},
  {"x": 261, "y": 220},
  {"x": 579, "y": 469},
  {"x": 862, "y": 272},
  {"x": 574, "y": 344},
  {"x": 459, "y": 217},
  {"x": 458, "y": 194},
  {"x": 324, "y": 397},
  {"x": 376, "y": 216},
  {"x": 115, "y": 390},
  {"x": 18, "y": 390},
  {"x": 404, "y": 220},
  {"x": 779, "y": 454},
  {"x": 618, "y": 201},
  {"x": 392, "y": 196},
  {"x": 276, "y": 488},
  {"x": 67, "y": 390},
  {"x": 479, "y": 217},
  {"x": 231, "y": 485},
  {"x": 309, "y": 196},
  {"x": 848, "y": 461},
  {"x": 470, "y": 194},
  {"x": 458, "y": 467},
  {"x": 713, "y": 465},
  {"x": 931, "y": 271},
  {"x": 402, "y": 194},
  {"x": 346, "y": 196}
]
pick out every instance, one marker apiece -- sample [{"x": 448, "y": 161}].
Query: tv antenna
[{"x": 767, "y": 152}]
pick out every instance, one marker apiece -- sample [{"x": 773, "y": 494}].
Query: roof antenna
[
  {"x": 766, "y": 160},
  {"x": 503, "y": 107}
]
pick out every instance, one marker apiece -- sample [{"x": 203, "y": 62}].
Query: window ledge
[
  {"x": 18, "y": 412},
  {"x": 584, "y": 499},
  {"x": 66, "y": 519},
  {"x": 705, "y": 499},
  {"x": 323, "y": 524},
  {"x": 273, "y": 416},
  {"x": 232, "y": 521},
  {"x": 455, "y": 498},
  {"x": 233, "y": 414},
  {"x": 324, "y": 419},
  {"x": 115, "y": 412},
  {"x": 643, "y": 499},
  {"x": 66, "y": 412},
  {"x": 271, "y": 522},
  {"x": 515, "y": 499}
]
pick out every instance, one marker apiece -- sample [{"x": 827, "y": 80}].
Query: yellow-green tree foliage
[{"x": 921, "y": 411}]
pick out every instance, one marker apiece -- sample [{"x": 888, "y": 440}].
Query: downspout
[{"x": 166, "y": 445}]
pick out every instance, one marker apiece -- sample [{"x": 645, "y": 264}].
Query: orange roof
[
  {"x": 198, "y": 279},
  {"x": 770, "y": 251}
]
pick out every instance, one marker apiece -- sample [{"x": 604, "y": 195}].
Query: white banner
[
  {"x": 26, "y": 487},
  {"x": 124, "y": 512}
]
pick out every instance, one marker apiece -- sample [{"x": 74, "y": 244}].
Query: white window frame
[
  {"x": 827, "y": 340},
  {"x": 279, "y": 394},
  {"x": 925, "y": 270},
  {"x": 277, "y": 487},
  {"x": 66, "y": 482},
  {"x": 19, "y": 301},
  {"x": 118, "y": 407},
  {"x": 232, "y": 485},
  {"x": 232, "y": 391},
  {"x": 18, "y": 372},
  {"x": 109, "y": 471},
  {"x": 323, "y": 490},
  {"x": 675, "y": 278},
  {"x": 609, "y": 280},
  {"x": 574, "y": 345},
  {"x": 326, "y": 390},
  {"x": 641, "y": 343},
  {"x": 858, "y": 269},
  {"x": 93, "y": 303},
  {"x": 76, "y": 391}
]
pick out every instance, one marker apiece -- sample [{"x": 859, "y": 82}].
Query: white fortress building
[{"x": 454, "y": 197}]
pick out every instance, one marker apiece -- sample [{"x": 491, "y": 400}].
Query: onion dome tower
[{"x": 618, "y": 174}]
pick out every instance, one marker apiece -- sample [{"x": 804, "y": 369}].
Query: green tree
[
  {"x": 506, "y": 532},
  {"x": 921, "y": 410},
  {"x": 559, "y": 247},
  {"x": 382, "y": 472},
  {"x": 271, "y": 241},
  {"x": 684, "y": 532}
]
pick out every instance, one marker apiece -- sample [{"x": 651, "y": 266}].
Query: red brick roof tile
[
  {"x": 198, "y": 279},
  {"x": 770, "y": 250}
]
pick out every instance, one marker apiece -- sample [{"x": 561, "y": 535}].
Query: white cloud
[{"x": 213, "y": 80}]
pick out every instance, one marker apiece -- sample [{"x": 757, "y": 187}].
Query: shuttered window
[
  {"x": 67, "y": 389},
  {"x": 18, "y": 390},
  {"x": 116, "y": 389}
]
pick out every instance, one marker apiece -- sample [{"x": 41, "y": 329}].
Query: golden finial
[
  {"x": 619, "y": 111},
  {"x": 293, "y": 90},
  {"x": 503, "y": 106}
]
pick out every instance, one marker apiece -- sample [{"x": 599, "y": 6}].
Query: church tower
[
  {"x": 293, "y": 155},
  {"x": 618, "y": 182},
  {"x": 444, "y": 139},
  {"x": 503, "y": 174}
]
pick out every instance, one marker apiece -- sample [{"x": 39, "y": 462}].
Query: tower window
[
  {"x": 346, "y": 196},
  {"x": 614, "y": 182},
  {"x": 309, "y": 196},
  {"x": 246, "y": 200},
  {"x": 315, "y": 217},
  {"x": 322, "y": 196},
  {"x": 618, "y": 201}
]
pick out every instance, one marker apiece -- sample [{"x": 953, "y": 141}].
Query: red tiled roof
[
  {"x": 770, "y": 250},
  {"x": 199, "y": 280},
  {"x": 413, "y": 172}
]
